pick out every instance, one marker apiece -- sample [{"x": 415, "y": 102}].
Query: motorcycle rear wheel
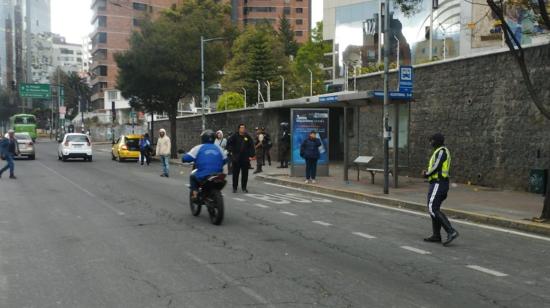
[
  {"x": 195, "y": 208},
  {"x": 216, "y": 207}
]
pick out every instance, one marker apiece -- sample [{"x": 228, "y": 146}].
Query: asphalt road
[{"x": 109, "y": 234}]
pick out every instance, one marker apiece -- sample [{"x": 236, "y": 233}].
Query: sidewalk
[{"x": 510, "y": 209}]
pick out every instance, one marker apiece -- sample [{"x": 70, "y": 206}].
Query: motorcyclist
[{"x": 209, "y": 159}]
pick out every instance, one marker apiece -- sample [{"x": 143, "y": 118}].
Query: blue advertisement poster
[{"x": 303, "y": 122}]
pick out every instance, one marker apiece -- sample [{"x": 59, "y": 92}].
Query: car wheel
[
  {"x": 113, "y": 157},
  {"x": 90, "y": 158},
  {"x": 64, "y": 158},
  {"x": 58, "y": 156},
  {"x": 32, "y": 157}
]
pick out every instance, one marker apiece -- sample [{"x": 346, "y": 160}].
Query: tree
[
  {"x": 258, "y": 55},
  {"x": 7, "y": 105},
  {"x": 230, "y": 101},
  {"x": 538, "y": 7},
  {"x": 311, "y": 56},
  {"x": 76, "y": 90},
  {"x": 162, "y": 65},
  {"x": 286, "y": 35}
]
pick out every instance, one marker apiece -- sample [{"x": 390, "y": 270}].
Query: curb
[{"x": 496, "y": 221}]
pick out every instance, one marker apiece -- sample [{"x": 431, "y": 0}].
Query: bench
[{"x": 363, "y": 161}]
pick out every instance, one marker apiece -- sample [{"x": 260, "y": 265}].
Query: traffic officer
[{"x": 438, "y": 176}]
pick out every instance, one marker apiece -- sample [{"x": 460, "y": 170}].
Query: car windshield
[
  {"x": 77, "y": 138},
  {"x": 132, "y": 144},
  {"x": 22, "y": 136}
]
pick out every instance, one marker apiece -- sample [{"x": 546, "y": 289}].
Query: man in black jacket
[{"x": 241, "y": 147}]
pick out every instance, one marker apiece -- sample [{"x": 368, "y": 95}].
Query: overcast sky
[{"x": 71, "y": 18}]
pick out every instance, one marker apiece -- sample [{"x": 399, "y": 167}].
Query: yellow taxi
[{"x": 126, "y": 147}]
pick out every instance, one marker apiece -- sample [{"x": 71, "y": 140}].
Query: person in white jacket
[{"x": 163, "y": 151}]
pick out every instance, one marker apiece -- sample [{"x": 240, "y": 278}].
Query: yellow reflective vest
[{"x": 434, "y": 175}]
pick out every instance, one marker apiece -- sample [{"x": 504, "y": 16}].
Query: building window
[
  {"x": 102, "y": 37},
  {"x": 66, "y": 51},
  {"x": 102, "y": 21},
  {"x": 286, "y": 10},
  {"x": 112, "y": 95},
  {"x": 299, "y": 10},
  {"x": 299, "y": 21},
  {"x": 258, "y": 21},
  {"x": 140, "y": 6},
  {"x": 299, "y": 33},
  {"x": 101, "y": 5},
  {"x": 136, "y": 22},
  {"x": 259, "y": 9},
  {"x": 100, "y": 70}
]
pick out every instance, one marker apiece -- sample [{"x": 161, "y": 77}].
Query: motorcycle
[{"x": 210, "y": 195}]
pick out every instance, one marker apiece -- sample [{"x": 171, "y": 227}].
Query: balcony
[{"x": 98, "y": 96}]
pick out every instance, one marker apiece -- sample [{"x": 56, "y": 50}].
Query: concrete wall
[{"x": 494, "y": 131}]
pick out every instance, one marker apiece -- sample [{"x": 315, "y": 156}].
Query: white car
[{"x": 75, "y": 146}]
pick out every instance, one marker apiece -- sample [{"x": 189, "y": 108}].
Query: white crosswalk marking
[
  {"x": 289, "y": 213},
  {"x": 261, "y": 205},
  {"x": 420, "y": 251},
  {"x": 367, "y": 236},
  {"x": 239, "y": 199},
  {"x": 486, "y": 270},
  {"x": 322, "y": 223}
]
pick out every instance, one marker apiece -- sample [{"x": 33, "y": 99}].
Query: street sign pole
[{"x": 386, "y": 128}]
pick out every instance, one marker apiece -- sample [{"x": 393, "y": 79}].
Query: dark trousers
[
  {"x": 436, "y": 195},
  {"x": 145, "y": 156},
  {"x": 9, "y": 164},
  {"x": 239, "y": 167},
  {"x": 193, "y": 182},
  {"x": 311, "y": 168},
  {"x": 267, "y": 155}
]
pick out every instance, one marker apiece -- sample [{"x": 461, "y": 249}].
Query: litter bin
[{"x": 537, "y": 181}]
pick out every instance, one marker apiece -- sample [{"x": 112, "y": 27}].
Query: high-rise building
[
  {"x": 298, "y": 12},
  {"x": 114, "y": 21}
]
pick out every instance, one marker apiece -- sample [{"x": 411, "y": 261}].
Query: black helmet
[
  {"x": 437, "y": 140},
  {"x": 284, "y": 124},
  {"x": 208, "y": 136}
]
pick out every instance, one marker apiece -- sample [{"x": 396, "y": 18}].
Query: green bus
[{"x": 24, "y": 123}]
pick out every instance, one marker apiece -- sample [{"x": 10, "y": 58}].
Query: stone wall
[{"x": 494, "y": 131}]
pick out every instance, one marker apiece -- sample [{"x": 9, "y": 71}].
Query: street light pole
[
  {"x": 386, "y": 128},
  {"x": 203, "y": 40},
  {"x": 398, "y": 50},
  {"x": 283, "y": 90},
  {"x": 268, "y": 85},
  {"x": 244, "y": 97},
  {"x": 310, "y": 82}
]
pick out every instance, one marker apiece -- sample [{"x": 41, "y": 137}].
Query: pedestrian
[
  {"x": 241, "y": 147},
  {"x": 259, "y": 146},
  {"x": 438, "y": 177},
  {"x": 309, "y": 150},
  {"x": 229, "y": 158},
  {"x": 222, "y": 142},
  {"x": 284, "y": 145},
  {"x": 164, "y": 151},
  {"x": 145, "y": 149},
  {"x": 267, "y": 147},
  {"x": 8, "y": 149}
]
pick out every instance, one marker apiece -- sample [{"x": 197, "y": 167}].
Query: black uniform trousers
[
  {"x": 238, "y": 167},
  {"x": 436, "y": 195}
]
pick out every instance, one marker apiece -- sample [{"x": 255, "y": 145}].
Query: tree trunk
[{"x": 173, "y": 136}]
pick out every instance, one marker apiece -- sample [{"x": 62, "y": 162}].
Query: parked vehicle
[
  {"x": 75, "y": 145},
  {"x": 26, "y": 145},
  {"x": 126, "y": 147},
  {"x": 210, "y": 195},
  {"x": 21, "y": 123}
]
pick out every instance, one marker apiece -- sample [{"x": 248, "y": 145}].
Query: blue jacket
[
  {"x": 209, "y": 159},
  {"x": 4, "y": 143},
  {"x": 310, "y": 148},
  {"x": 144, "y": 144}
]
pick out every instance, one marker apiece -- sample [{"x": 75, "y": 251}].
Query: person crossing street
[
  {"x": 8, "y": 149},
  {"x": 438, "y": 176}
]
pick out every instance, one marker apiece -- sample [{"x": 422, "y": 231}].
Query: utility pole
[
  {"x": 244, "y": 90},
  {"x": 283, "y": 89},
  {"x": 386, "y": 128},
  {"x": 310, "y": 82}
]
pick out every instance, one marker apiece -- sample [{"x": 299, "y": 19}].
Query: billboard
[{"x": 303, "y": 122}]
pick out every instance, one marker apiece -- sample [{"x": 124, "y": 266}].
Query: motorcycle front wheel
[
  {"x": 195, "y": 208},
  {"x": 216, "y": 208}
]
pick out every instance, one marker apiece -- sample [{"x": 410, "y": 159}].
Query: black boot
[
  {"x": 436, "y": 232},
  {"x": 452, "y": 234}
]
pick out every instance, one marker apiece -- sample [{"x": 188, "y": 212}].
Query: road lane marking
[
  {"x": 261, "y": 205},
  {"x": 239, "y": 199},
  {"x": 486, "y": 270},
  {"x": 367, "y": 236},
  {"x": 230, "y": 280},
  {"x": 322, "y": 223},
  {"x": 462, "y": 222},
  {"x": 420, "y": 251},
  {"x": 289, "y": 213},
  {"x": 84, "y": 190}
]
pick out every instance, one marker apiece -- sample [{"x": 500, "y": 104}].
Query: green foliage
[
  {"x": 230, "y": 101},
  {"x": 162, "y": 64},
  {"x": 7, "y": 105},
  {"x": 311, "y": 56},
  {"x": 258, "y": 54},
  {"x": 286, "y": 35},
  {"x": 75, "y": 89}
]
